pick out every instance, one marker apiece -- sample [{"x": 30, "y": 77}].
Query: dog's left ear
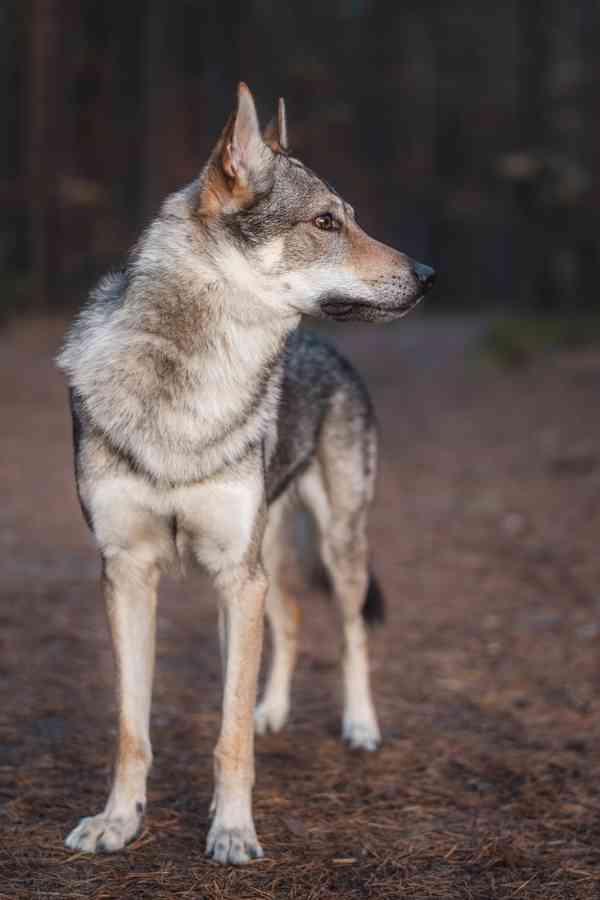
[
  {"x": 275, "y": 134},
  {"x": 239, "y": 164},
  {"x": 243, "y": 144}
]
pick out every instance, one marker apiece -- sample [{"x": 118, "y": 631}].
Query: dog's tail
[{"x": 373, "y": 609}]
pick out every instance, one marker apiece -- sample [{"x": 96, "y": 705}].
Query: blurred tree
[
  {"x": 13, "y": 245},
  {"x": 465, "y": 133},
  {"x": 41, "y": 93}
]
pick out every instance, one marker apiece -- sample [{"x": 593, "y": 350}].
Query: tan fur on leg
[
  {"x": 283, "y": 616},
  {"x": 343, "y": 542},
  {"x": 130, "y": 586},
  {"x": 232, "y": 837}
]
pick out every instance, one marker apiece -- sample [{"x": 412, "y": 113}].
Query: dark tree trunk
[{"x": 40, "y": 80}]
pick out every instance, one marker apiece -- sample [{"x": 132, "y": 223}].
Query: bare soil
[{"x": 487, "y": 673}]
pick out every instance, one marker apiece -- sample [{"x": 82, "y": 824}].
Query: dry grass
[{"x": 487, "y": 674}]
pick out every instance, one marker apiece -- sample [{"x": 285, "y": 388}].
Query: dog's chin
[{"x": 349, "y": 309}]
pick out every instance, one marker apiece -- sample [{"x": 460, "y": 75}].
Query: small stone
[
  {"x": 588, "y": 632},
  {"x": 514, "y": 524}
]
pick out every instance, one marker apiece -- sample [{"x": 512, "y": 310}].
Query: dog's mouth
[
  {"x": 338, "y": 309},
  {"x": 341, "y": 309}
]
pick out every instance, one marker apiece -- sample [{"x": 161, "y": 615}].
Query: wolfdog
[{"x": 201, "y": 415}]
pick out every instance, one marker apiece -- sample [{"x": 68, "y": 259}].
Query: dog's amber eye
[{"x": 326, "y": 222}]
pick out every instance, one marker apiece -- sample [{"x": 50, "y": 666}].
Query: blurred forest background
[{"x": 464, "y": 133}]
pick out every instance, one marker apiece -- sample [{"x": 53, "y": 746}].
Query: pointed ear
[
  {"x": 238, "y": 165},
  {"x": 242, "y": 144},
  {"x": 275, "y": 134}
]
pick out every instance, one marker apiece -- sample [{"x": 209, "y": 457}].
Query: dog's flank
[{"x": 202, "y": 416}]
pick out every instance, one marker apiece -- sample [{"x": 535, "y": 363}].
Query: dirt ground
[{"x": 486, "y": 674}]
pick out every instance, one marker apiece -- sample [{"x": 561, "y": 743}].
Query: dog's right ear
[
  {"x": 235, "y": 172},
  {"x": 275, "y": 134}
]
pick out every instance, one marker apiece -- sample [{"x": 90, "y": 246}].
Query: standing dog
[{"x": 200, "y": 413}]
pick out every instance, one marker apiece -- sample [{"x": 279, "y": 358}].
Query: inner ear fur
[{"x": 236, "y": 168}]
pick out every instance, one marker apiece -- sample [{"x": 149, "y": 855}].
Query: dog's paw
[
  {"x": 103, "y": 834},
  {"x": 361, "y": 735},
  {"x": 270, "y": 717},
  {"x": 233, "y": 846}
]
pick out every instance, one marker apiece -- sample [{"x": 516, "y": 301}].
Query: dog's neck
[
  {"x": 221, "y": 346},
  {"x": 181, "y": 361},
  {"x": 205, "y": 296}
]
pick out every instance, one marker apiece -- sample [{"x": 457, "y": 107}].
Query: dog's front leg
[
  {"x": 232, "y": 837},
  {"x": 130, "y": 586}
]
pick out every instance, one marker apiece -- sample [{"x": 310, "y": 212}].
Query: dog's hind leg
[
  {"x": 130, "y": 580},
  {"x": 340, "y": 513},
  {"x": 283, "y": 617}
]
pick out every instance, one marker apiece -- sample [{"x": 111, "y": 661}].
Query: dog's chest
[{"x": 212, "y": 407}]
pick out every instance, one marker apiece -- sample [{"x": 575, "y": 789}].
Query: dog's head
[{"x": 287, "y": 236}]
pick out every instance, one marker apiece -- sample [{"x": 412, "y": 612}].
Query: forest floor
[{"x": 486, "y": 676}]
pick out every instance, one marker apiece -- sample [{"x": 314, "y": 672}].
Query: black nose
[{"x": 425, "y": 274}]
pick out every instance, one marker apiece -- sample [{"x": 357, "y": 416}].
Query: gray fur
[{"x": 201, "y": 413}]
